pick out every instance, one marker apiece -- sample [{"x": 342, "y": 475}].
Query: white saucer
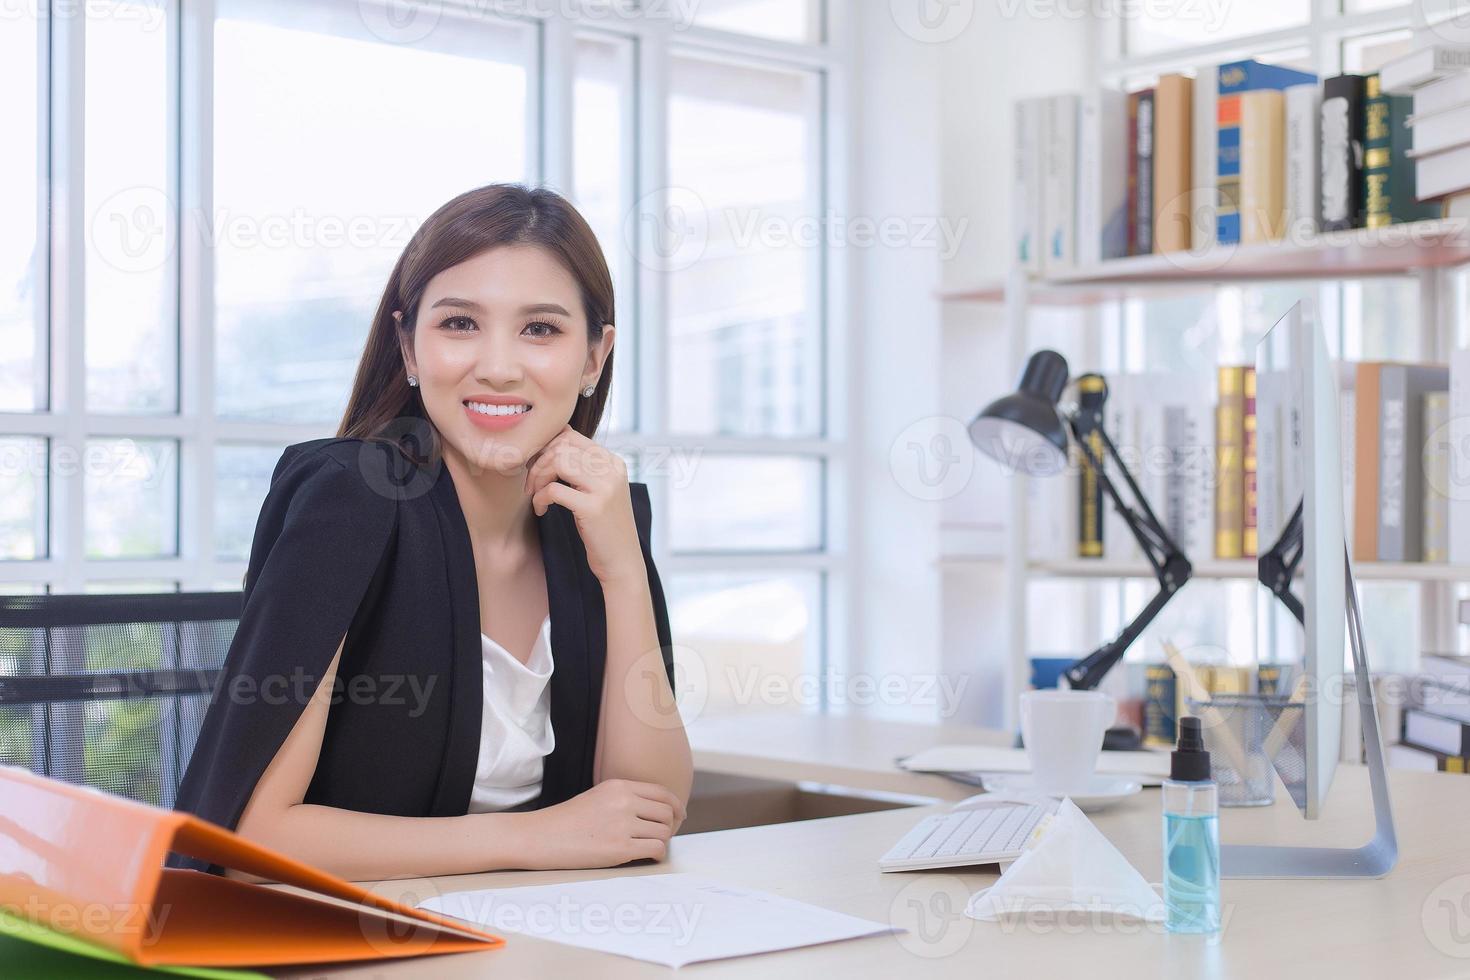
[{"x": 1100, "y": 791}]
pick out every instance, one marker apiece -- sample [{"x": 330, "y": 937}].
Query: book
[
  {"x": 1402, "y": 388},
  {"x": 1026, "y": 221},
  {"x": 1431, "y": 731},
  {"x": 1342, "y": 152},
  {"x": 1173, "y": 163},
  {"x": 1443, "y": 698},
  {"x": 1102, "y": 175},
  {"x": 1141, "y": 196},
  {"x": 1436, "y": 468},
  {"x": 1405, "y": 756},
  {"x": 1091, "y": 391},
  {"x": 1388, "y": 173},
  {"x": 1232, "y": 80},
  {"x": 1408, "y": 72},
  {"x": 1445, "y": 172},
  {"x": 1204, "y": 156},
  {"x": 1446, "y": 93},
  {"x": 1449, "y": 669},
  {"x": 1458, "y": 484},
  {"x": 1435, "y": 131},
  {"x": 1262, "y": 165},
  {"x": 1366, "y": 466},
  {"x": 1160, "y": 702},
  {"x": 1120, "y": 419},
  {"x": 1269, "y": 680},
  {"x": 1303, "y": 168},
  {"x": 1248, "y": 466},
  {"x": 1229, "y": 462},
  {"x": 1059, "y": 189},
  {"x": 1188, "y": 508}
]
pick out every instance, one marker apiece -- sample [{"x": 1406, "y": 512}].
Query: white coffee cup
[{"x": 1063, "y": 731}]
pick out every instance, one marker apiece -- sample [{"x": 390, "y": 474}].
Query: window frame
[{"x": 66, "y": 423}]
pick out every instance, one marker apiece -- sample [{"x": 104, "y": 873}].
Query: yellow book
[
  {"x": 1230, "y": 463},
  {"x": 1262, "y": 165}
]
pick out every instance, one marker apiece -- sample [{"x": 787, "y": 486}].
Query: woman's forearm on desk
[{"x": 374, "y": 846}]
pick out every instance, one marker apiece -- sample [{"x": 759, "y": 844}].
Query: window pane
[
  {"x": 119, "y": 586},
  {"x": 746, "y": 642},
  {"x": 22, "y": 497},
  {"x": 1170, "y": 24},
  {"x": 242, "y": 475},
  {"x": 1370, "y": 52},
  {"x": 132, "y": 493},
  {"x": 1380, "y": 319},
  {"x": 334, "y": 137},
  {"x": 602, "y": 112},
  {"x": 22, "y": 247},
  {"x": 742, "y": 243},
  {"x": 131, "y": 332},
  {"x": 784, "y": 20},
  {"x": 747, "y": 503}
]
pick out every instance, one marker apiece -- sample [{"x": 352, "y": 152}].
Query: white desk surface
[{"x": 1414, "y": 923}]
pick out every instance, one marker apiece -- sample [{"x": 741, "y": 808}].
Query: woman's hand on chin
[{"x": 596, "y": 492}]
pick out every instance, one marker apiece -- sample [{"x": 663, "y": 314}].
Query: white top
[{"x": 515, "y": 724}]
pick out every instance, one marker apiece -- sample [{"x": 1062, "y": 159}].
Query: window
[
  {"x": 324, "y": 165},
  {"x": 1151, "y": 28},
  {"x": 213, "y": 334}
]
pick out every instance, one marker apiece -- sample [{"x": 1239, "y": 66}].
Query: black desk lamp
[{"x": 1027, "y": 431}]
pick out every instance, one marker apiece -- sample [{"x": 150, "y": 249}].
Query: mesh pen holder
[{"x": 1249, "y": 735}]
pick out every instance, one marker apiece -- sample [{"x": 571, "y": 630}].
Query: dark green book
[{"x": 1388, "y": 173}]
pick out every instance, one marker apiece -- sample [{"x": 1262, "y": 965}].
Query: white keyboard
[{"x": 976, "y": 831}]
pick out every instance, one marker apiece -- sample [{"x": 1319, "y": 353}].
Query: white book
[
  {"x": 1120, "y": 423},
  {"x": 1441, "y": 130},
  {"x": 1051, "y": 525},
  {"x": 1433, "y": 732},
  {"x": 1403, "y": 75},
  {"x": 1058, "y": 203},
  {"x": 1184, "y": 498},
  {"x": 1459, "y": 503},
  {"x": 1026, "y": 187},
  {"x": 1442, "y": 173},
  {"x": 1303, "y": 197},
  {"x": 1408, "y": 757},
  {"x": 1102, "y": 177},
  {"x": 1205, "y": 156},
  {"x": 1446, "y": 93}
]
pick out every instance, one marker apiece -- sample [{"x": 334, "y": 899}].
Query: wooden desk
[{"x": 1414, "y": 923}]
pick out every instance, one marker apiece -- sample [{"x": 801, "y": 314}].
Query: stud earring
[
  {"x": 587, "y": 391},
  {"x": 413, "y": 382}
]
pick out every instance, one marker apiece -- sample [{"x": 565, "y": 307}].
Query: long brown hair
[{"x": 383, "y": 407}]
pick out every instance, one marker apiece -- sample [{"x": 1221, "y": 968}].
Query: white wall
[{"x": 931, "y": 136}]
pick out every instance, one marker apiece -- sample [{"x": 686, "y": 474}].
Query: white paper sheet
[
  {"x": 1147, "y": 767},
  {"x": 671, "y": 919}
]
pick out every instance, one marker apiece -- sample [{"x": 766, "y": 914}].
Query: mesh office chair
[{"x": 109, "y": 690}]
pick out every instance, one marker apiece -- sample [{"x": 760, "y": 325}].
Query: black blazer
[{"x": 353, "y": 539}]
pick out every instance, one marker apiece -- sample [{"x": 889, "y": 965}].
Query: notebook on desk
[{"x": 1149, "y": 768}]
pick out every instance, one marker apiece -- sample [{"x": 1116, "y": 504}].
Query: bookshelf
[{"x": 1430, "y": 252}]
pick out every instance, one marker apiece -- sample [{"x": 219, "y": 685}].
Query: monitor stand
[{"x": 1373, "y": 859}]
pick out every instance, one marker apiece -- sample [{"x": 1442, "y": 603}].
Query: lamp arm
[
  {"x": 1278, "y": 566},
  {"x": 1171, "y": 567}
]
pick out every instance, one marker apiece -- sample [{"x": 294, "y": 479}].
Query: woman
[{"x": 454, "y": 653}]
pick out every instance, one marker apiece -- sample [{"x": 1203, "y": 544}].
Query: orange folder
[{"x": 91, "y": 864}]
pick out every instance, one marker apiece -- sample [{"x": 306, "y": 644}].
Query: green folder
[{"x": 33, "y": 952}]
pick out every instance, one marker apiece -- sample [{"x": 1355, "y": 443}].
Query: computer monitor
[{"x": 1299, "y": 482}]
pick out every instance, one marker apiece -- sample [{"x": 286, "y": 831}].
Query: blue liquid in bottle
[
  {"x": 1191, "y": 836},
  {"x": 1192, "y": 872}
]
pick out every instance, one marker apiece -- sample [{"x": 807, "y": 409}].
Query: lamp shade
[{"x": 1024, "y": 430}]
